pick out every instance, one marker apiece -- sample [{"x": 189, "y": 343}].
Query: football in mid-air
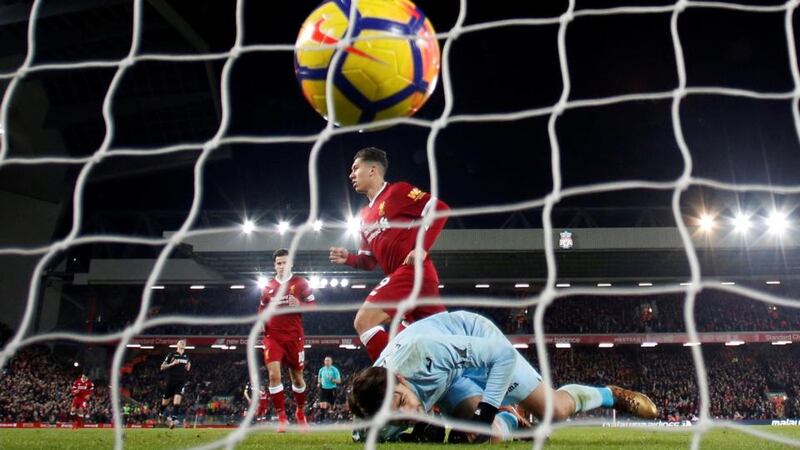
[{"x": 390, "y": 71}]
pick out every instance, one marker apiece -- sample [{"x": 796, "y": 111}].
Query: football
[{"x": 389, "y": 71}]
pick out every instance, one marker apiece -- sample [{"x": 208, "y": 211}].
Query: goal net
[{"x": 563, "y": 100}]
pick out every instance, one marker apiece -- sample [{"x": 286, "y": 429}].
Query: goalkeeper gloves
[{"x": 484, "y": 414}]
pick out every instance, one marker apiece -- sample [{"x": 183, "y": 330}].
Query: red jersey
[
  {"x": 388, "y": 247},
  {"x": 286, "y": 325},
  {"x": 82, "y": 388}
]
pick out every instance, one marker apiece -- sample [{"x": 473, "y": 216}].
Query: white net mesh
[{"x": 547, "y": 296}]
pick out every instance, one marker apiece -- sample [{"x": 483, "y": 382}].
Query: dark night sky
[{"x": 500, "y": 70}]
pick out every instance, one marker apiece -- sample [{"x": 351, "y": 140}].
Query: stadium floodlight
[
  {"x": 520, "y": 345},
  {"x": 348, "y": 346},
  {"x": 157, "y": 286},
  {"x": 781, "y": 342},
  {"x": 777, "y": 222},
  {"x": 741, "y": 223},
  {"x": 259, "y": 346},
  {"x": 323, "y": 283},
  {"x": 645, "y": 284},
  {"x": 147, "y": 347},
  {"x": 262, "y": 281},
  {"x": 76, "y": 364},
  {"x": 522, "y": 285},
  {"x": 563, "y": 285},
  {"x": 686, "y": 283},
  {"x": 133, "y": 345},
  {"x": 317, "y": 225},
  {"x": 248, "y": 226},
  {"x": 283, "y": 227},
  {"x": 306, "y": 345},
  {"x": 773, "y": 282},
  {"x": 563, "y": 345},
  {"x": 334, "y": 282},
  {"x": 649, "y": 344},
  {"x": 734, "y": 343},
  {"x": 222, "y": 346},
  {"x": 344, "y": 282},
  {"x": 603, "y": 284},
  {"x": 197, "y": 287},
  {"x": 441, "y": 286},
  {"x": 482, "y": 286},
  {"x": 606, "y": 345},
  {"x": 353, "y": 226},
  {"x": 231, "y": 347},
  {"x": 359, "y": 286},
  {"x": 313, "y": 281},
  {"x": 727, "y": 283},
  {"x": 237, "y": 286},
  {"x": 706, "y": 222},
  {"x": 691, "y": 344}
]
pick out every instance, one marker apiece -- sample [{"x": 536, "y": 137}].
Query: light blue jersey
[
  {"x": 451, "y": 356},
  {"x": 326, "y": 376}
]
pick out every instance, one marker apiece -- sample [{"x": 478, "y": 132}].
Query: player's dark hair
[
  {"x": 373, "y": 154},
  {"x": 367, "y": 392},
  {"x": 279, "y": 252}
]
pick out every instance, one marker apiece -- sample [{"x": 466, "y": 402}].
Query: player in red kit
[
  {"x": 82, "y": 389},
  {"x": 393, "y": 249},
  {"x": 284, "y": 339},
  {"x": 263, "y": 400}
]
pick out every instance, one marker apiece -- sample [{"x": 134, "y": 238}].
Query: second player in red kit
[{"x": 284, "y": 338}]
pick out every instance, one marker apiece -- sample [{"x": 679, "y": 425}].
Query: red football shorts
[
  {"x": 289, "y": 351},
  {"x": 397, "y": 287},
  {"x": 262, "y": 407},
  {"x": 79, "y": 402}
]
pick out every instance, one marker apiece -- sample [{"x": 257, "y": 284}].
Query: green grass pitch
[{"x": 570, "y": 438}]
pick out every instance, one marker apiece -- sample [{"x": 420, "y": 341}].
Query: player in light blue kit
[{"x": 463, "y": 362}]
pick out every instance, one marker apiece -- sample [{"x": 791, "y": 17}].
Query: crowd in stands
[
  {"x": 200, "y": 303},
  {"x": 34, "y": 387},
  {"x": 217, "y": 381},
  {"x": 740, "y": 379},
  {"x": 754, "y": 381},
  {"x": 714, "y": 311},
  {"x": 749, "y": 382}
]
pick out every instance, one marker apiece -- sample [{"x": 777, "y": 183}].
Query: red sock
[
  {"x": 299, "y": 398},
  {"x": 279, "y": 400},
  {"x": 376, "y": 344}
]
